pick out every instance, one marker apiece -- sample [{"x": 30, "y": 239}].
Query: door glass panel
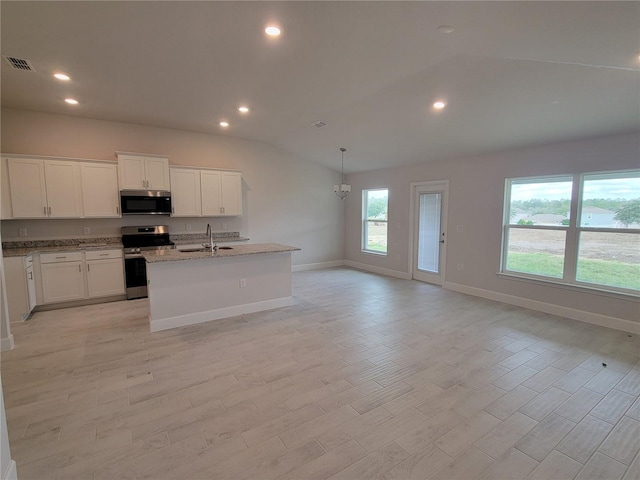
[{"x": 429, "y": 232}]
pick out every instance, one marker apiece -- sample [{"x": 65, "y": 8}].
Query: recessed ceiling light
[
  {"x": 71, "y": 101},
  {"x": 445, "y": 29},
  {"x": 243, "y": 109},
  {"x": 272, "y": 31},
  {"x": 439, "y": 105},
  {"x": 224, "y": 124},
  {"x": 62, "y": 76}
]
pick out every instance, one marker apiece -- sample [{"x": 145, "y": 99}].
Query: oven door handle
[{"x": 132, "y": 255}]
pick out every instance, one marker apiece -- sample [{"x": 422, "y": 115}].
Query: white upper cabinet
[
  {"x": 45, "y": 189},
  {"x": 221, "y": 193},
  {"x": 100, "y": 195},
  {"x": 231, "y": 193},
  {"x": 5, "y": 200},
  {"x": 157, "y": 173},
  {"x": 211, "y": 182},
  {"x": 28, "y": 189},
  {"x": 205, "y": 193},
  {"x": 142, "y": 172},
  {"x": 64, "y": 191},
  {"x": 185, "y": 192}
]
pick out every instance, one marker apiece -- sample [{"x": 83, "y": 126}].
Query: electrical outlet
[
  {"x": 187, "y": 227},
  {"x": 461, "y": 266},
  {"x": 22, "y": 232},
  {"x": 243, "y": 282},
  {"x": 224, "y": 226},
  {"x": 87, "y": 230}
]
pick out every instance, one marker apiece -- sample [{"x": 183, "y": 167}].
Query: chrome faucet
[{"x": 212, "y": 246}]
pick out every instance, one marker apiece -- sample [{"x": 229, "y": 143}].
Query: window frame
[
  {"x": 365, "y": 220},
  {"x": 572, "y": 231}
]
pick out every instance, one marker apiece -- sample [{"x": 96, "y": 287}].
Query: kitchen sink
[{"x": 202, "y": 249}]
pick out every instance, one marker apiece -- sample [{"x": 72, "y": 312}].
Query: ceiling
[{"x": 513, "y": 74}]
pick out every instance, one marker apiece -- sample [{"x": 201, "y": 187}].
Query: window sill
[
  {"x": 573, "y": 287},
  {"x": 371, "y": 252}
]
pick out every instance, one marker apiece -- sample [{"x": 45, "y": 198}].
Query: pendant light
[{"x": 343, "y": 189}]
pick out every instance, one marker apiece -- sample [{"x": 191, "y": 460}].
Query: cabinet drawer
[
  {"x": 61, "y": 257},
  {"x": 102, "y": 254}
]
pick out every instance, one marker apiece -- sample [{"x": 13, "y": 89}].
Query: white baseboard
[
  {"x": 382, "y": 271},
  {"x": 316, "y": 266},
  {"x": 219, "y": 313},
  {"x": 11, "y": 472},
  {"x": 6, "y": 344},
  {"x": 572, "y": 313}
]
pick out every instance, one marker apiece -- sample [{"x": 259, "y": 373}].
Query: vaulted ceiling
[{"x": 512, "y": 74}]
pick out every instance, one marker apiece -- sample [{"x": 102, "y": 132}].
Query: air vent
[
  {"x": 318, "y": 124},
  {"x": 19, "y": 63}
]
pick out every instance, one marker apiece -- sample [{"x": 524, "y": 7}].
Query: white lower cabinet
[
  {"x": 16, "y": 286},
  {"x": 104, "y": 273},
  {"x": 62, "y": 276},
  {"x": 80, "y": 275}
]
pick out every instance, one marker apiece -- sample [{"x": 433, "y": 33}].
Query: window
[
  {"x": 375, "y": 204},
  {"x": 578, "y": 229}
]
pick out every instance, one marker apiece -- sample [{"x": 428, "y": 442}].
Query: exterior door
[{"x": 429, "y": 227}]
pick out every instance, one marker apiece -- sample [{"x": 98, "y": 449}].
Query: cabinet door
[
  {"x": 62, "y": 282},
  {"x": 16, "y": 286},
  {"x": 157, "y": 173},
  {"x": 210, "y": 182},
  {"x": 105, "y": 277},
  {"x": 131, "y": 171},
  {"x": 64, "y": 193},
  {"x": 100, "y": 196},
  {"x": 28, "y": 188},
  {"x": 231, "y": 193},
  {"x": 185, "y": 192},
  {"x": 31, "y": 288},
  {"x": 5, "y": 192}
]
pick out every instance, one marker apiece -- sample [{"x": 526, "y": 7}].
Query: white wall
[
  {"x": 286, "y": 199},
  {"x": 476, "y": 201}
]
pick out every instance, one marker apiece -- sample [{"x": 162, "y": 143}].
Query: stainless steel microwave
[{"x": 145, "y": 202}]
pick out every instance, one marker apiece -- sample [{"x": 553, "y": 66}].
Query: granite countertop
[
  {"x": 235, "y": 251},
  {"x": 31, "y": 248}
]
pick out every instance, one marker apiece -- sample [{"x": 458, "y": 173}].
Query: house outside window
[
  {"x": 580, "y": 229},
  {"x": 375, "y": 205}
]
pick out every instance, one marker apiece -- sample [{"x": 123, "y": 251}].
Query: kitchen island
[{"x": 189, "y": 287}]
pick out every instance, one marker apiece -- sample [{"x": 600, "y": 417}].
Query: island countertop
[{"x": 175, "y": 255}]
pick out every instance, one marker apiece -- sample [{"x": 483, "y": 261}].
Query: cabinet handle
[
  {"x": 44, "y": 210},
  {"x": 80, "y": 268},
  {"x": 60, "y": 258},
  {"x": 104, "y": 254},
  {"x": 49, "y": 211},
  {"x": 118, "y": 210},
  {"x": 173, "y": 209},
  {"x": 30, "y": 275},
  {"x": 88, "y": 267}
]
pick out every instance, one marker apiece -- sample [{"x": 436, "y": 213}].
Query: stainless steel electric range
[{"x": 136, "y": 240}]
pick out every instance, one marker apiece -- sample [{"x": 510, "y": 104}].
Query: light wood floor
[{"x": 366, "y": 377}]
